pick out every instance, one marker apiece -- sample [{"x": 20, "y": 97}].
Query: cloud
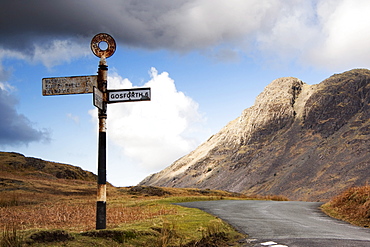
[
  {"x": 4, "y": 75},
  {"x": 292, "y": 32},
  {"x": 75, "y": 119},
  {"x": 58, "y": 51},
  {"x": 153, "y": 133},
  {"x": 5, "y": 86},
  {"x": 154, "y": 24},
  {"x": 311, "y": 32},
  {"x": 343, "y": 41},
  {"x": 16, "y": 129}
]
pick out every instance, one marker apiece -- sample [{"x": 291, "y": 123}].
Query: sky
[{"x": 204, "y": 60}]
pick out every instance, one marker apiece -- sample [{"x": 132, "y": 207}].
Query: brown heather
[{"x": 353, "y": 205}]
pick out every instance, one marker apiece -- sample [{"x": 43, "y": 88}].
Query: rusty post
[
  {"x": 67, "y": 85},
  {"x": 101, "y": 218},
  {"x": 101, "y": 207}
]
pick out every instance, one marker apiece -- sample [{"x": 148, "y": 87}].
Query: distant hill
[
  {"x": 306, "y": 142},
  {"x": 16, "y": 163},
  {"x": 19, "y": 173}
]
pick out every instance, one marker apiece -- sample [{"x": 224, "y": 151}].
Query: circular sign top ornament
[{"x": 106, "y": 38}]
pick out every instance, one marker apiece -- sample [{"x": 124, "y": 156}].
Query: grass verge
[
  {"x": 135, "y": 217},
  {"x": 353, "y": 206}
]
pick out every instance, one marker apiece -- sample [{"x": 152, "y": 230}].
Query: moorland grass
[
  {"x": 353, "y": 205},
  {"x": 133, "y": 219}
]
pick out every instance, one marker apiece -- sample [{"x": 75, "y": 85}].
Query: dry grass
[
  {"x": 136, "y": 220},
  {"x": 353, "y": 205},
  {"x": 76, "y": 216},
  {"x": 268, "y": 197},
  {"x": 10, "y": 237},
  {"x": 42, "y": 203}
]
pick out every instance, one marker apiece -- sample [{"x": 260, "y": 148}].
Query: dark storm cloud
[
  {"x": 15, "y": 128},
  {"x": 136, "y": 23},
  {"x": 179, "y": 25},
  {"x": 238, "y": 26},
  {"x": 314, "y": 32}
]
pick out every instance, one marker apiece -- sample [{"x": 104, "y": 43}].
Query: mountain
[{"x": 306, "y": 142}]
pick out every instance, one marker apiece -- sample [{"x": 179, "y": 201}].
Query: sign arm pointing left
[{"x": 69, "y": 85}]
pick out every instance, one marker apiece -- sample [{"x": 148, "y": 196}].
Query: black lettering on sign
[{"x": 128, "y": 95}]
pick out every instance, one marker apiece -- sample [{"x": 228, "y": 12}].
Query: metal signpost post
[{"x": 101, "y": 97}]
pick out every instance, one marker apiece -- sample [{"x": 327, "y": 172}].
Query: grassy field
[
  {"x": 50, "y": 204},
  {"x": 61, "y": 212}
]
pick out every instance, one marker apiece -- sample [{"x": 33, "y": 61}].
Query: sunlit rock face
[{"x": 307, "y": 142}]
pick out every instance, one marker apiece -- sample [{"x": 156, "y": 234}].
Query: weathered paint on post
[
  {"x": 101, "y": 211},
  {"x": 102, "y": 193}
]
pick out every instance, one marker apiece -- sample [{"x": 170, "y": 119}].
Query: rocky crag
[{"x": 306, "y": 142}]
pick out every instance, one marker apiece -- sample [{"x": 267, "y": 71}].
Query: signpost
[
  {"x": 97, "y": 84},
  {"x": 98, "y": 98},
  {"x": 69, "y": 85},
  {"x": 127, "y": 95}
]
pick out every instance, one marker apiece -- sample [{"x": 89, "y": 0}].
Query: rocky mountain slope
[{"x": 307, "y": 142}]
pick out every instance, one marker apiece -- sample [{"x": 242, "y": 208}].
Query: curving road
[{"x": 280, "y": 224}]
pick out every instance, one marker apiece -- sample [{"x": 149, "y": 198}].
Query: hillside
[
  {"x": 306, "y": 142},
  {"x": 16, "y": 163},
  {"x": 27, "y": 178}
]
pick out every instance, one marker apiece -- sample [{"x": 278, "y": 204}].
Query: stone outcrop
[{"x": 307, "y": 142}]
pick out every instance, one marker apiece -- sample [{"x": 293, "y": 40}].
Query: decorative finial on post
[{"x": 106, "y": 38}]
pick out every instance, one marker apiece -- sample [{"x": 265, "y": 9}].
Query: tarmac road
[{"x": 280, "y": 224}]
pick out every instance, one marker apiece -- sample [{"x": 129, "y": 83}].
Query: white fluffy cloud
[
  {"x": 344, "y": 34},
  {"x": 49, "y": 53},
  {"x": 56, "y": 52},
  {"x": 153, "y": 133},
  {"x": 291, "y": 31}
]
